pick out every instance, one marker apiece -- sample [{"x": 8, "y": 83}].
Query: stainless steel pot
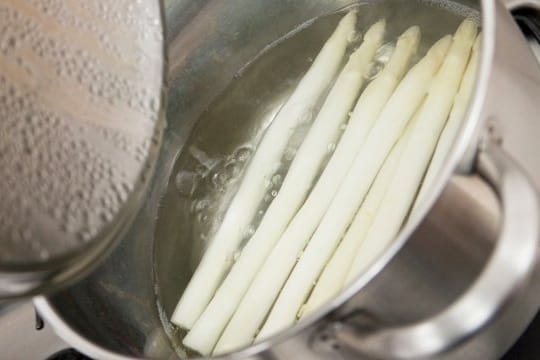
[{"x": 461, "y": 282}]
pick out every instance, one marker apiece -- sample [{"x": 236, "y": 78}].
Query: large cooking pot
[{"x": 462, "y": 281}]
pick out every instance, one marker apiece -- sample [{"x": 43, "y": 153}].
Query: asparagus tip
[
  {"x": 346, "y": 27},
  {"x": 413, "y": 31},
  {"x": 375, "y": 32},
  {"x": 467, "y": 29},
  {"x": 411, "y": 35},
  {"x": 440, "y": 48},
  {"x": 349, "y": 19}
]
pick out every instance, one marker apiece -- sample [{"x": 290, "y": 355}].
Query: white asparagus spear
[
  {"x": 344, "y": 206},
  {"x": 457, "y": 116},
  {"x": 415, "y": 159},
  {"x": 266, "y": 286},
  {"x": 303, "y": 170},
  {"x": 335, "y": 273},
  {"x": 218, "y": 257}
]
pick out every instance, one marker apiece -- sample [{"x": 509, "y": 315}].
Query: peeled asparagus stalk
[
  {"x": 265, "y": 161},
  {"x": 351, "y": 193},
  {"x": 266, "y": 286},
  {"x": 334, "y": 112},
  {"x": 415, "y": 159},
  {"x": 335, "y": 273},
  {"x": 457, "y": 116}
]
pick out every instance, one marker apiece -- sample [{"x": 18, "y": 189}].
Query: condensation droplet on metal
[{"x": 76, "y": 133}]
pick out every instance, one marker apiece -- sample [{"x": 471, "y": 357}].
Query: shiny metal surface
[
  {"x": 80, "y": 101},
  {"x": 112, "y": 313},
  {"x": 511, "y": 261}
]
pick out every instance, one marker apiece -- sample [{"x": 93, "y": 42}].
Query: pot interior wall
[{"x": 213, "y": 116}]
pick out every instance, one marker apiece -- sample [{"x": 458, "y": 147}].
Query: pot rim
[{"x": 459, "y": 160}]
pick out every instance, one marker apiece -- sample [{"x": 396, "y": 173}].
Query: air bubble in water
[
  {"x": 202, "y": 217},
  {"x": 201, "y": 205},
  {"x": 381, "y": 59},
  {"x": 243, "y": 153},
  {"x": 232, "y": 170},
  {"x": 186, "y": 182},
  {"x": 290, "y": 153},
  {"x": 331, "y": 147},
  {"x": 250, "y": 231}
]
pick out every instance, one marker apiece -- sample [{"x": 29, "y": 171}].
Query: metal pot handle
[{"x": 506, "y": 271}]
